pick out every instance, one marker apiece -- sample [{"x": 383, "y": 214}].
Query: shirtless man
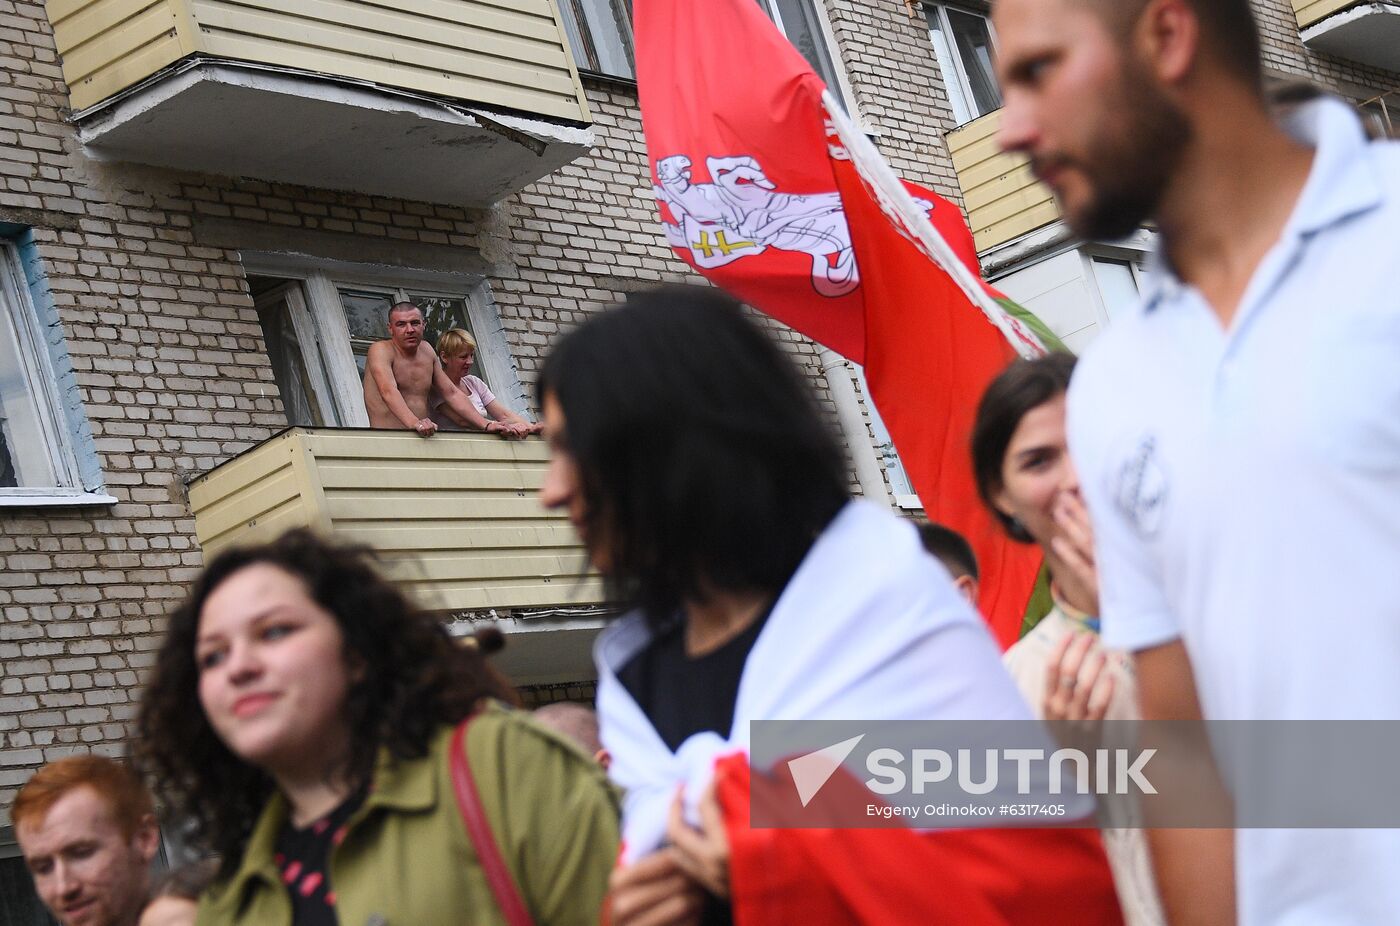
[{"x": 401, "y": 374}]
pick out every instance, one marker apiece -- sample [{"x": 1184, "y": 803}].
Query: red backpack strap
[{"x": 479, "y": 830}]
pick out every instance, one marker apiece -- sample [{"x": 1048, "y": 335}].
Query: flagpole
[{"x": 891, "y": 191}]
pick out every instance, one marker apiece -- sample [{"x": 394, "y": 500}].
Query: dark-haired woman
[
  {"x": 690, "y": 457},
  {"x": 315, "y": 726},
  {"x": 1025, "y": 476}
]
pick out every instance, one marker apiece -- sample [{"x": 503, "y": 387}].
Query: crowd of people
[{"x": 1214, "y": 489}]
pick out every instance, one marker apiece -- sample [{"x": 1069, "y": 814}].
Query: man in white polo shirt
[{"x": 1238, "y": 440}]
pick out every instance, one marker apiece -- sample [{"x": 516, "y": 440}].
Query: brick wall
[{"x": 1284, "y": 52}]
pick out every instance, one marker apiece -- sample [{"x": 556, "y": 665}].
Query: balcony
[
  {"x": 454, "y": 516},
  {"x": 1368, "y": 32},
  {"x": 450, "y": 101},
  {"x": 1004, "y": 201}
]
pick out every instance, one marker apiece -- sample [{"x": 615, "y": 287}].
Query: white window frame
[
  {"x": 833, "y": 50},
  {"x": 1130, "y": 256},
  {"x": 955, "y": 80},
  {"x": 901, "y": 486},
  {"x": 39, "y": 379},
  {"x": 569, "y": 18},
  {"x": 333, "y": 361}
]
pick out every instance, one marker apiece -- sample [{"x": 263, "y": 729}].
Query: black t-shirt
[
  {"x": 303, "y": 859},
  {"x": 684, "y": 695}
]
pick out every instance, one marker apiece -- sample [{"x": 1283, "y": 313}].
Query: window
[
  {"x": 900, "y": 486},
  {"x": 963, "y": 44},
  {"x": 319, "y": 320},
  {"x": 802, "y": 25},
  {"x": 38, "y": 463},
  {"x": 600, "y": 33},
  {"x": 1119, "y": 282},
  {"x": 17, "y": 898}
]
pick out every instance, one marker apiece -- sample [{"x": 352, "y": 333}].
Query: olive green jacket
[{"x": 406, "y": 859}]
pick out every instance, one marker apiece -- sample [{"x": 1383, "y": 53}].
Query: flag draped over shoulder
[{"x": 766, "y": 188}]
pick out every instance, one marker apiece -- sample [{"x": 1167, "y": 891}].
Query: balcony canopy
[
  {"x": 1368, "y": 32},
  {"x": 449, "y": 101}
]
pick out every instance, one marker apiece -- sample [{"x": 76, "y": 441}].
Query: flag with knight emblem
[{"x": 765, "y": 187}]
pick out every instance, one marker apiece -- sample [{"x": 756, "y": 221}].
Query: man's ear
[
  {"x": 1169, "y": 37},
  {"x": 967, "y": 587},
  {"x": 147, "y": 838}
]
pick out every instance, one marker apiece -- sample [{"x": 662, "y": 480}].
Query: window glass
[
  {"x": 441, "y": 314},
  {"x": 26, "y": 454},
  {"x": 962, "y": 43},
  {"x": 600, "y": 34},
  {"x": 17, "y": 898},
  {"x": 1117, "y": 286},
  {"x": 798, "y": 20},
  {"x": 367, "y": 317},
  {"x": 972, "y": 38},
  {"x": 285, "y": 350}
]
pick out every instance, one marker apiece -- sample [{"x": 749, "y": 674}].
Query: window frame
[
  {"x": 40, "y": 379},
  {"x": 569, "y": 14},
  {"x": 333, "y": 360},
  {"x": 958, "y": 82},
  {"x": 1089, "y": 254}
]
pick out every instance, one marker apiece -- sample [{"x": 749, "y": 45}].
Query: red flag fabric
[
  {"x": 972, "y": 877},
  {"x": 761, "y": 190}
]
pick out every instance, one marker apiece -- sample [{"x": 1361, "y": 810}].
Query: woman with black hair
[
  {"x": 344, "y": 758},
  {"x": 689, "y": 455}
]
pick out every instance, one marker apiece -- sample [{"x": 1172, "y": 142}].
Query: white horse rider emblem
[{"x": 741, "y": 214}]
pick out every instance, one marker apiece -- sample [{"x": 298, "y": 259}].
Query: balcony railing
[
  {"x": 1360, "y": 30},
  {"x": 458, "y": 101},
  {"x": 1004, "y": 200},
  {"x": 455, "y": 516}
]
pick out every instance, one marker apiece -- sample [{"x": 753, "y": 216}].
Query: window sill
[
  {"x": 21, "y": 498},
  {"x": 909, "y": 502}
]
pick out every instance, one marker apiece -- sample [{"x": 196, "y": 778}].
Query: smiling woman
[{"x": 313, "y": 725}]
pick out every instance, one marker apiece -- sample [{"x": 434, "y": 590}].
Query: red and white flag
[{"x": 767, "y": 188}]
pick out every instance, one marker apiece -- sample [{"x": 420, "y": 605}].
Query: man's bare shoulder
[{"x": 379, "y": 348}]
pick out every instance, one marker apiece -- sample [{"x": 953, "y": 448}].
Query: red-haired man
[{"x": 87, "y": 828}]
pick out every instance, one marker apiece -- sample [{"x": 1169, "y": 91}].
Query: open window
[
  {"x": 319, "y": 319},
  {"x": 965, "y": 48}
]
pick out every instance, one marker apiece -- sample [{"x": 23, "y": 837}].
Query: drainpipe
[{"x": 869, "y": 473}]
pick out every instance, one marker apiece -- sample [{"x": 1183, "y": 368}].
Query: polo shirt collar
[{"x": 1342, "y": 183}]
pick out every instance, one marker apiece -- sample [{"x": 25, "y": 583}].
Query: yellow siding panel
[
  {"x": 418, "y": 474},
  {"x": 1002, "y": 196},
  {"x": 428, "y": 506},
  {"x": 267, "y": 526},
  {"x": 498, "y": 593},
  {"x": 508, "y": 54},
  {"x": 1310, "y": 12},
  {"x": 544, "y": 87},
  {"x": 459, "y": 535},
  {"x": 456, "y": 517},
  {"x": 472, "y": 45},
  {"x": 75, "y": 24},
  {"x": 1027, "y": 220},
  {"x": 245, "y": 507},
  {"x": 404, "y": 446},
  {"x": 125, "y": 71},
  {"x": 251, "y": 466},
  {"x": 118, "y": 42}
]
